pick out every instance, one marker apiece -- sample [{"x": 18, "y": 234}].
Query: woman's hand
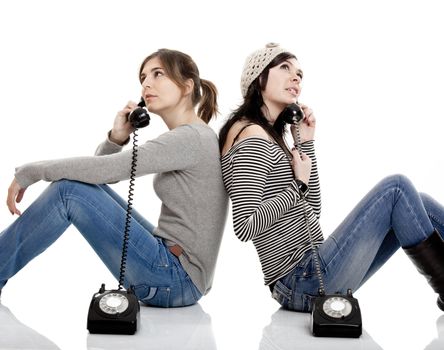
[
  {"x": 306, "y": 126},
  {"x": 122, "y": 127},
  {"x": 15, "y": 195},
  {"x": 301, "y": 164}
]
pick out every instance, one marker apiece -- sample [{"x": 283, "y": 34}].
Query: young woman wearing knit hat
[
  {"x": 275, "y": 191},
  {"x": 169, "y": 265}
]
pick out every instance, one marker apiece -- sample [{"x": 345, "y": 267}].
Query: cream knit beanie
[{"x": 256, "y": 63}]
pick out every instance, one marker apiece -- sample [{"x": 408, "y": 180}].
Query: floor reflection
[
  {"x": 438, "y": 343},
  {"x": 15, "y": 335},
  {"x": 179, "y": 328},
  {"x": 291, "y": 330}
]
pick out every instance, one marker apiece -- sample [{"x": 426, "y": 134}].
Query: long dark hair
[
  {"x": 180, "y": 67},
  {"x": 250, "y": 109}
]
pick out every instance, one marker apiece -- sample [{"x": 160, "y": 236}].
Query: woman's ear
[{"x": 189, "y": 87}]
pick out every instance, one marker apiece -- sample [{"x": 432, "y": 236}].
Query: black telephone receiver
[
  {"x": 292, "y": 114},
  {"x": 139, "y": 118}
]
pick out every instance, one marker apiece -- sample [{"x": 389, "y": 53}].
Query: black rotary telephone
[
  {"x": 117, "y": 311},
  {"x": 333, "y": 315}
]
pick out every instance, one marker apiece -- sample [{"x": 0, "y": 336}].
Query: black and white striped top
[{"x": 266, "y": 205}]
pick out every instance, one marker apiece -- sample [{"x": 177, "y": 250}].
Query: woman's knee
[
  {"x": 396, "y": 181},
  {"x": 427, "y": 200},
  {"x": 64, "y": 185},
  {"x": 66, "y": 189}
]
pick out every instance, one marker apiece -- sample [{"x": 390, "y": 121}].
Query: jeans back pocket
[
  {"x": 153, "y": 296},
  {"x": 282, "y": 294}
]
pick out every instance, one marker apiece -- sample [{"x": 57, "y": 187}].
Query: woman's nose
[
  {"x": 296, "y": 78},
  {"x": 146, "y": 83}
]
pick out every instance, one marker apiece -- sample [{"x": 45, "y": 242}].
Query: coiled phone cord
[
  {"x": 314, "y": 249},
  {"x": 129, "y": 208}
]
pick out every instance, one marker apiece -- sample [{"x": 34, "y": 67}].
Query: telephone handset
[
  {"x": 292, "y": 114},
  {"x": 139, "y": 117},
  {"x": 117, "y": 311}
]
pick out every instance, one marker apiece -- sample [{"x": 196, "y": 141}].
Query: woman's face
[
  {"x": 161, "y": 94},
  {"x": 283, "y": 85}
]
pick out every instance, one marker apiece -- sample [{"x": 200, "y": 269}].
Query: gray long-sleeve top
[{"x": 188, "y": 181}]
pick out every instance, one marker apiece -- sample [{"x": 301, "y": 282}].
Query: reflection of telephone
[{"x": 116, "y": 311}]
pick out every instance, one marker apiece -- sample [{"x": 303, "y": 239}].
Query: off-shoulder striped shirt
[{"x": 266, "y": 205}]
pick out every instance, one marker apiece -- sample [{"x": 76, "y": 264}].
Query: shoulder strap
[{"x": 240, "y": 132}]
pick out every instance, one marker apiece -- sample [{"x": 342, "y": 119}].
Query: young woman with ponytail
[{"x": 169, "y": 265}]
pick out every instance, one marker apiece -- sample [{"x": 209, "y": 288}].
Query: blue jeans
[
  {"x": 392, "y": 215},
  {"x": 99, "y": 215}
]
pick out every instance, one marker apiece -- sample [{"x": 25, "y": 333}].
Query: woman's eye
[
  {"x": 157, "y": 73},
  {"x": 285, "y": 66}
]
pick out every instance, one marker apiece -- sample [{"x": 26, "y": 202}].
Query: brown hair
[{"x": 180, "y": 67}]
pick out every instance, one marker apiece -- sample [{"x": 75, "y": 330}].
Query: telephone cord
[
  {"x": 126, "y": 230},
  {"x": 314, "y": 250}
]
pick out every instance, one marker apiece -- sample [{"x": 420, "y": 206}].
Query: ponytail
[{"x": 208, "y": 102}]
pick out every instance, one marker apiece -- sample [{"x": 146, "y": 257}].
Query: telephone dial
[{"x": 117, "y": 311}]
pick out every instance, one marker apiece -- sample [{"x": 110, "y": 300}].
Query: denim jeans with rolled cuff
[
  {"x": 392, "y": 215},
  {"x": 99, "y": 215}
]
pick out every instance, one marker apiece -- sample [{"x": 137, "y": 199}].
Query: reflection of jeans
[
  {"x": 16, "y": 335},
  {"x": 99, "y": 214},
  {"x": 438, "y": 343},
  {"x": 391, "y": 215}
]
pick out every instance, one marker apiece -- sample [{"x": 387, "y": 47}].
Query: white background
[{"x": 373, "y": 75}]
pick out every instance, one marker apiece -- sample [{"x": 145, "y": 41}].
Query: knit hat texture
[{"x": 256, "y": 63}]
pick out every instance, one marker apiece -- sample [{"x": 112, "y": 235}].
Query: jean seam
[
  {"x": 341, "y": 248},
  {"x": 90, "y": 205},
  {"x": 28, "y": 235},
  {"x": 99, "y": 212},
  {"x": 85, "y": 201},
  {"x": 434, "y": 218},
  {"x": 411, "y": 211}
]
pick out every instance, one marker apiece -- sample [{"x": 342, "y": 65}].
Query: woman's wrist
[
  {"x": 116, "y": 139},
  {"x": 302, "y": 186},
  {"x": 307, "y": 140}
]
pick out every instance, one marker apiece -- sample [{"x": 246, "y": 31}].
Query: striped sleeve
[
  {"x": 313, "y": 197},
  {"x": 266, "y": 206},
  {"x": 252, "y": 165}
]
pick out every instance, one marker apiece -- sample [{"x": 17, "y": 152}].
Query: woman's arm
[
  {"x": 252, "y": 164},
  {"x": 118, "y": 136},
  {"x": 307, "y": 134},
  {"x": 174, "y": 150},
  {"x": 109, "y": 146},
  {"x": 314, "y": 194}
]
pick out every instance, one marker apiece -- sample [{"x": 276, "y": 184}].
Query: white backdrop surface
[{"x": 373, "y": 74}]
